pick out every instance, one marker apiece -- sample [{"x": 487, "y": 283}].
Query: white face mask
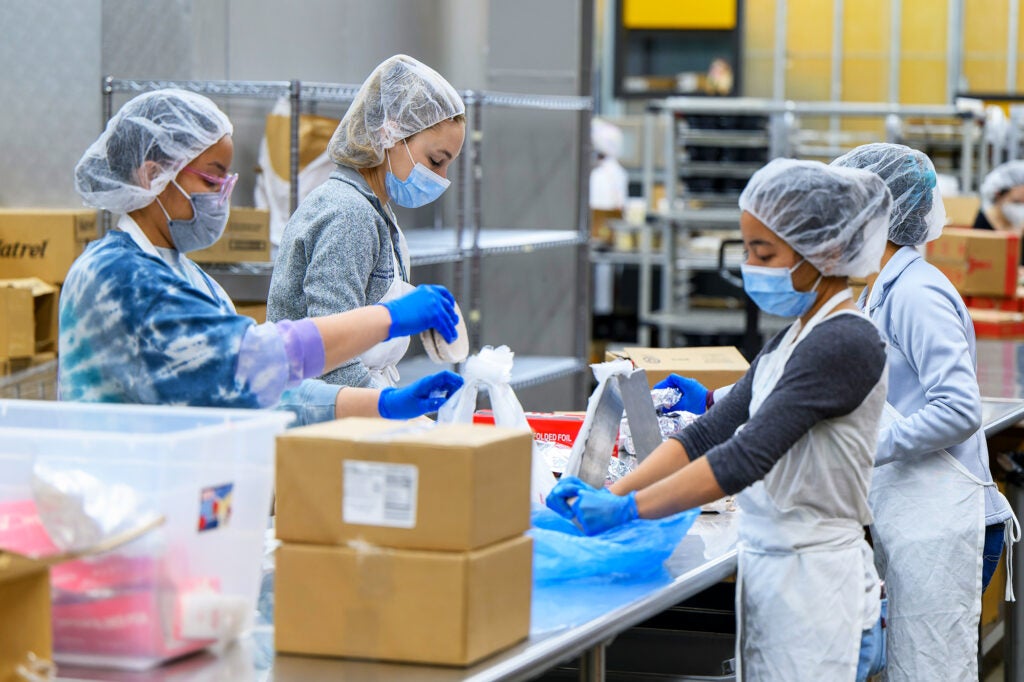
[{"x": 1014, "y": 212}]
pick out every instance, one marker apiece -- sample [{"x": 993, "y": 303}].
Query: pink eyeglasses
[{"x": 226, "y": 184}]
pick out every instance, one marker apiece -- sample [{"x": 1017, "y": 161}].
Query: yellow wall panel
[
  {"x": 866, "y": 26},
  {"x": 984, "y": 64},
  {"x": 758, "y": 48},
  {"x": 923, "y": 81},
  {"x": 679, "y": 14},
  {"x": 809, "y": 79},
  {"x": 809, "y": 27}
]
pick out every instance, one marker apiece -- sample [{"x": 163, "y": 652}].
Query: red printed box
[
  {"x": 997, "y": 324},
  {"x": 977, "y": 262}
]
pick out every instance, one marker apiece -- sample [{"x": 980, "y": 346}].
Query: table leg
[{"x": 592, "y": 664}]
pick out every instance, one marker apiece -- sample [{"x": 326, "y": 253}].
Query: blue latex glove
[
  {"x": 564, "y": 491},
  {"x": 427, "y": 307},
  {"x": 694, "y": 395},
  {"x": 601, "y": 510},
  {"x": 423, "y": 397}
]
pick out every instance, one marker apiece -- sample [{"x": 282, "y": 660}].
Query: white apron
[
  {"x": 928, "y": 533},
  {"x": 807, "y": 585},
  {"x": 382, "y": 360}
]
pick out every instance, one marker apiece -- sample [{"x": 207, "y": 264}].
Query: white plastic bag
[
  {"x": 491, "y": 369},
  {"x": 602, "y": 372}
]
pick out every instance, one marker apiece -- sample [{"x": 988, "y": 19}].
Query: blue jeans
[
  {"x": 990, "y": 555},
  {"x": 872, "y": 647}
]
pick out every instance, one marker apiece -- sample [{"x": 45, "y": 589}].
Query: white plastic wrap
[{"x": 491, "y": 369}]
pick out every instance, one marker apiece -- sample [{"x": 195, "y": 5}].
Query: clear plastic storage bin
[{"x": 192, "y": 582}]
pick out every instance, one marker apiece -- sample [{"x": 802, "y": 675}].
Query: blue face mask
[
  {"x": 772, "y": 290},
  {"x": 209, "y": 218},
  {"x": 421, "y": 187}
]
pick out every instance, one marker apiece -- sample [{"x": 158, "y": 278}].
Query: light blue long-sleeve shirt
[
  {"x": 933, "y": 379},
  {"x": 134, "y": 329}
]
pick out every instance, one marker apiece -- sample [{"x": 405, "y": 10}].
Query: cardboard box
[
  {"x": 43, "y": 243},
  {"x": 25, "y": 602},
  {"x": 997, "y": 324},
  {"x": 28, "y": 309},
  {"x": 977, "y": 262},
  {"x": 246, "y": 239},
  {"x": 403, "y": 484},
  {"x": 257, "y": 311},
  {"x": 712, "y": 366},
  {"x": 16, "y": 365},
  {"x": 961, "y": 210},
  {"x": 450, "y": 608}
]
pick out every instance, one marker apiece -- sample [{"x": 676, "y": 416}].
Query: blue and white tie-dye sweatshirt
[{"x": 132, "y": 330}]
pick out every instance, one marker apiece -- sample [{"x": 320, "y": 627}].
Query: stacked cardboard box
[
  {"x": 28, "y": 332},
  {"x": 997, "y": 324},
  {"x": 403, "y": 541},
  {"x": 712, "y": 366},
  {"x": 977, "y": 262},
  {"x": 246, "y": 239}
]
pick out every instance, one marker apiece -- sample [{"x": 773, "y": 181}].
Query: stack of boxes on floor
[
  {"x": 37, "y": 247},
  {"x": 402, "y": 541}
]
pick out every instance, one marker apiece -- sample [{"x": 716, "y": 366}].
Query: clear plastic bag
[
  {"x": 491, "y": 369},
  {"x": 633, "y": 550}
]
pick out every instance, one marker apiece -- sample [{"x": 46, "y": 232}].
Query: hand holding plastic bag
[
  {"x": 596, "y": 510},
  {"x": 422, "y": 397},
  {"x": 491, "y": 369}
]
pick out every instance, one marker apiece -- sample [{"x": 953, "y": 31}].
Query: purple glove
[
  {"x": 694, "y": 396},
  {"x": 429, "y": 306},
  {"x": 422, "y": 397}
]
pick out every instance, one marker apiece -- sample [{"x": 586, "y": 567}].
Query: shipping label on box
[
  {"x": 43, "y": 243},
  {"x": 245, "y": 240},
  {"x": 449, "y": 608},
  {"x": 28, "y": 308},
  {"x": 406, "y": 485},
  {"x": 977, "y": 262},
  {"x": 712, "y": 366}
]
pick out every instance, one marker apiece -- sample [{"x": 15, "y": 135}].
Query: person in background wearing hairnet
[
  {"x": 609, "y": 183},
  {"x": 939, "y": 520},
  {"x": 343, "y": 247},
  {"x": 141, "y": 323},
  {"x": 796, "y": 434},
  {"x": 1002, "y": 200}
]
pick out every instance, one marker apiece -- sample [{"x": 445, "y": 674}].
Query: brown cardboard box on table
[
  {"x": 245, "y": 240},
  {"x": 961, "y": 210},
  {"x": 449, "y": 608},
  {"x": 408, "y": 485},
  {"x": 28, "y": 310},
  {"x": 712, "y": 366},
  {"x": 25, "y": 602},
  {"x": 43, "y": 243},
  {"x": 977, "y": 262}
]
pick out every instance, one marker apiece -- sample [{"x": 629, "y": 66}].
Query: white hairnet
[
  {"x": 400, "y": 98},
  {"x": 836, "y": 218},
  {"x": 1002, "y": 179},
  {"x": 917, "y": 210},
  {"x": 606, "y": 138},
  {"x": 168, "y": 128}
]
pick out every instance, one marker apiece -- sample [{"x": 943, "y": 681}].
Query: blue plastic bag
[{"x": 635, "y": 550}]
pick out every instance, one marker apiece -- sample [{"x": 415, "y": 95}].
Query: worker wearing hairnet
[
  {"x": 796, "y": 442},
  {"x": 939, "y": 520},
  {"x": 1002, "y": 199},
  {"x": 343, "y": 247},
  {"x": 609, "y": 183},
  {"x": 141, "y": 323}
]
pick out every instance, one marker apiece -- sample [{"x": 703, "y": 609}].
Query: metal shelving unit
[
  {"x": 468, "y": 243},
  {"x": 690, "y": 212}
]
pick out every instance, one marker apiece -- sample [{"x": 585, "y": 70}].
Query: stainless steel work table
[{"x": 705, "y": 556}]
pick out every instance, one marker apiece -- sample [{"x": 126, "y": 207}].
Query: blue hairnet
[
  {"x": 836, "y": 218},
  {"x": 166, "y": 129},
  {"x": 400, "y": 98},
  {"x": 918, "y": 214}
]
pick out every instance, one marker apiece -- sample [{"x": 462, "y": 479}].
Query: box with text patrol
[
  {"x": 713, "y": 366},
  {"x": 188, "y": 584},
  {"x": 403, "y": 484},
  {"x": 43, "y": 243},
  {"x": 448, "y": 608}
]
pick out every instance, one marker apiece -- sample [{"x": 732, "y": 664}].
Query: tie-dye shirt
[{"x": 132, "y": 330}]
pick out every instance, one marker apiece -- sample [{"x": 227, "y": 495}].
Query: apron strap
[{"x": 1011, "y": 535}]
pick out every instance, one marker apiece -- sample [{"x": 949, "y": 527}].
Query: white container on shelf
[{"x": 192, "y": 582}]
